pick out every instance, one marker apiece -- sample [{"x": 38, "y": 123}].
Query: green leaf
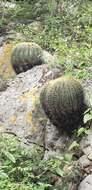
[
  {"x": 42, "y": 186},
  {"x": 3, "y": 175},
  {"x": 87, "y": 117},
  {"x": 59, "y": 172},
  {"x": 81, "y": 131},
  {"x": 87, "y": 131},
  {"x": 68, "y": 157},
  {"x": 89, "y": 109},
  {"x": 74, "y": 145},
  {"x": 9, "y": 156}
]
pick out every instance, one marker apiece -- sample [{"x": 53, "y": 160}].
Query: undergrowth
[{"x": 21, "y": 169}]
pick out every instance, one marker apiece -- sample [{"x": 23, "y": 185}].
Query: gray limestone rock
[
  {"x": 88, "y": 92},
  {"x": 86, "y": 144},
  {"x": 18, "y": 112},
  {"x": 55, "y": 142},
  {"x": 84, "y": 161},
  {"x": 86, "y": 184}
]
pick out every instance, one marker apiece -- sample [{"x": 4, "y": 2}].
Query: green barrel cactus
[
  {"x": 25, "y": 56},
  {"x": 63, "y": 101}
]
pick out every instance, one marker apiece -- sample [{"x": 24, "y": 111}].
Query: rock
[
  {"x": 86, "y": 184},
  {"x": 49, "y": 59},
  {"x": 84, "y": 161},
  {"x": 20, "y": 111},
  {"x": 3, "y": 84},
  {"x": 88, "y": 92},
  {"x": 86, "y": 144},
  {"x": 55, "y": 142},
  {"x": 36, "y": 26},
  {"x": 89, "y": 69},
  {"x": 6, "y": 69},
  {"x": 90, "y": 156},
  {"x": 86, "y": 148},
  {"x": 1, "y": 40},
  {"x": 1, "y": 50},
  {"x": 13, "y": 36}
]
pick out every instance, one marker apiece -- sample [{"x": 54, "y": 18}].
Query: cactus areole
[
  {"x": 63, "y": 101},
  {"x": 25, "y": 56}
]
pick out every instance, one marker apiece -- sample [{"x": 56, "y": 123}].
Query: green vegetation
[{"x": 21, "y": 169}]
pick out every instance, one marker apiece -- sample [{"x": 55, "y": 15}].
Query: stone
[
  {"x": 36, "y": 26},
  {"x": 1, "y": 40},
  {"x": 84, "y": 161},
  {"x": 1, "y": 50},
  {"x": 86, "y": 184},
  {"x": 49, "y": 58},
  {"x": 90, "y": 156},
  {"x": 89, "y": 69},
  {"x": 55, "y": 142},
  {"x": 3, "y": 84},
  {"x": 88, "y": 93},
  {"x": 14, "y": 36},
  {"x": 20, "y": 111},
  {"x": 86, "y": 143}
]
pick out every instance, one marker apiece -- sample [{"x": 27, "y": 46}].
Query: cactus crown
[
  {"x": 62, "y": 101},
  {"x": 25, "y": 56}
]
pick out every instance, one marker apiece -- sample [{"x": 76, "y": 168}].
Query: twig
[{"x": 37, "y": 144}]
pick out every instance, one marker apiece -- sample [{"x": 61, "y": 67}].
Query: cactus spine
[
  {"x": 63, "y": 101},
  {"x": 25, "y": 56}
]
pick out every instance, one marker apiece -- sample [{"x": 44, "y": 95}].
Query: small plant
[
  {"x": 63, "y": 101},
  {"x": 25, "y": 56}
]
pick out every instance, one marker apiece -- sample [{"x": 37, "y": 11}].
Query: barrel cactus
[
  {"x": 63, "y": 101},
  {"x": 25, "y": 56}
]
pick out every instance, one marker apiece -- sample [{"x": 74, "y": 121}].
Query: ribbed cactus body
[
  {"x": 25, "y": 56},
  {"x": 63, "y": 101}
]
